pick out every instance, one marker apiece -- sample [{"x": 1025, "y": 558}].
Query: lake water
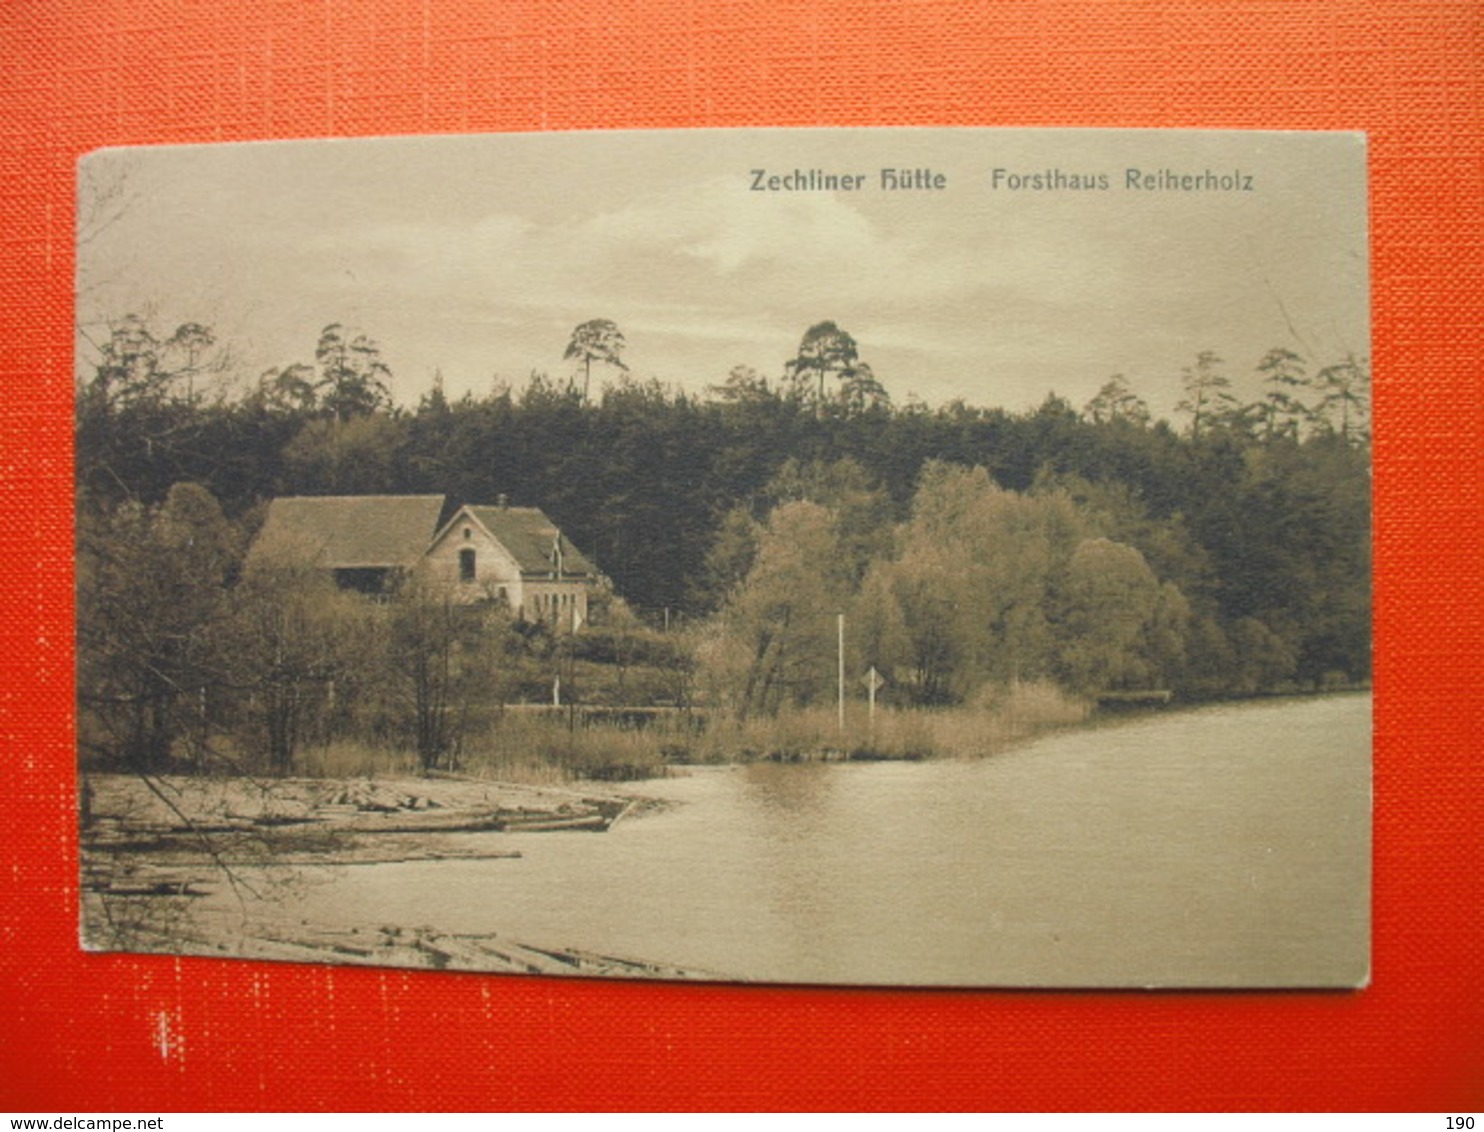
[{"x": 1220, "y": 846}]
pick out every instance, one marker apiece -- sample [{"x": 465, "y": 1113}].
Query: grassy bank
[
  {"x": 991, "y": 723},
  {"x": 553, "y": 748},
  {"x": 548, "y": 747}
]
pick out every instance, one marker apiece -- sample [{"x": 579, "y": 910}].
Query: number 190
[{"x": 1460, "y": 1124}]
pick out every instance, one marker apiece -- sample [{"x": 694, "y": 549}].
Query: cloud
[{"x": 474, "y": 265}]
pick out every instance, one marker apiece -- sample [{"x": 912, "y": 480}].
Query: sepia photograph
[{"x": 895, "y": 557}]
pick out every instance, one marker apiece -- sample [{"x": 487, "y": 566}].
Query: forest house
[{"x": 512, "y": 555}]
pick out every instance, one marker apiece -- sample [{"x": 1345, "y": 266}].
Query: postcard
[{"x": 909, "y": 557}]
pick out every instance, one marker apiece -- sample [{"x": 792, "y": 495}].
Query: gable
[
  {"x": 530, "y": 538},
  {"x": 494, "y": 560}
]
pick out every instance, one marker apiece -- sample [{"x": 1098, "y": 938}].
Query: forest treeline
[{"x": 1226, "y": 552}]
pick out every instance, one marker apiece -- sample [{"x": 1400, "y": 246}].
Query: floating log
[
  {"x": 153, "y": 888},
  {"x": 596, "y": 822},
  {"x": 148, "y": 881},
  {"x": 418, "y": 821}
]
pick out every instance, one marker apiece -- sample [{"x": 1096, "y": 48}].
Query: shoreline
[
  {"x": 152, "y": 850},
  {"x": 220, "y": 935}
]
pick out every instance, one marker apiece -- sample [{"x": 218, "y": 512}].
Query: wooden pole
[{"x": 840, "y": 627}]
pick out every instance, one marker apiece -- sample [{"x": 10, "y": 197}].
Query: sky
[{"x": 476, "y": 257}]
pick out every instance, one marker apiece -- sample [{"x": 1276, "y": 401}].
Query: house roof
[
  {"x": 531, "y": 537},
  {"x": 352, "y": 531}
]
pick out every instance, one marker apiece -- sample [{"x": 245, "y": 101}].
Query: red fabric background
[{"x": 81, "y": 1032}]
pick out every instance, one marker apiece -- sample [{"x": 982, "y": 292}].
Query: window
[{"x": 466, "y": 565}]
